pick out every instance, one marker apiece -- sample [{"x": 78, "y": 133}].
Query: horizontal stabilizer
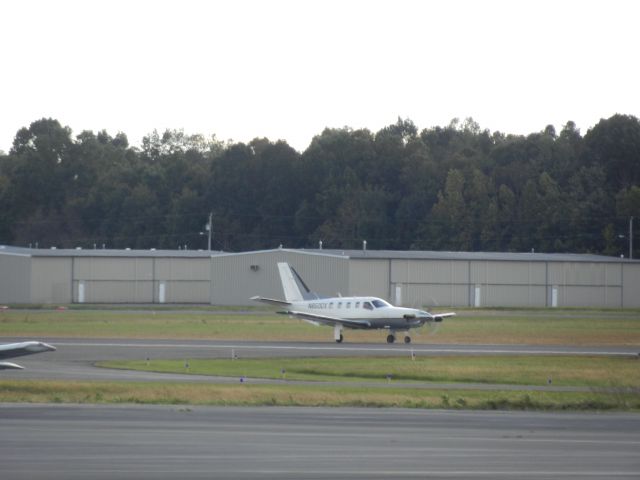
[
  {"x": 312, "y": 322},
  {"x": 271, "y": 301}
]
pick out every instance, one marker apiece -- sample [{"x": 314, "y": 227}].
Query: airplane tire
[
  {"x": 407, "y": 339},
  {"x": 391, "y": 339},
  {"x": 339, "y": 340}
]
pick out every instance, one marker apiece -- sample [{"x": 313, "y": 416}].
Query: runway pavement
[
  {"x": 75, "y": 358},
  {"x": 163, "y": 442},
  {"x": 167, "y": 442}
]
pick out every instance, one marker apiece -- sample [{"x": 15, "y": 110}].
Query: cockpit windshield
[{"x": 379, "y": 303}]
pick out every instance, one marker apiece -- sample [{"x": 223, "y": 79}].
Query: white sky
[{"x": 286, "y": 69}]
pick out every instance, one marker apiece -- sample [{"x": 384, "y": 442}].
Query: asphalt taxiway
[{"x": 167, "y": 442}]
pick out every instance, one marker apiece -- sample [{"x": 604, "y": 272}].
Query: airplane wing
[
  {"x": 438, "y": 317},
  {"x": 11, "y": 350},
  {"x": 327, "y": 320},
  {"x": 270, "y": 301}
]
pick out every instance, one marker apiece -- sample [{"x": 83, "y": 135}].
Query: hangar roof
[
  {"x": 356, "y": 254},
  {"x": 77, "y": 252},
  {"x": 481, "y": 256}
]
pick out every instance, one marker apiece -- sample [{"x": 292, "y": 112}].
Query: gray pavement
[
  {"x": 158, "y": 442},
  {"x": 169, "y": 442}
]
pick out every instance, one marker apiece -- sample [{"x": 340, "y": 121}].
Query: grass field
[
  {"x": 612, "y": 383},
  {"x": 536, "y": 327},
  {"x": 303, "y": 395},
  {"x": 596, "y": 372}
]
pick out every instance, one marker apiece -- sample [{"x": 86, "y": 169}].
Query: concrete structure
[{"x": 411, "y": 278}]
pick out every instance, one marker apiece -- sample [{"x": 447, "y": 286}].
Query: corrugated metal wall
[
  {"x": 106, "y": 291},
  {"x": 186, "y": 280},
  {"x": 236, "y": 278},
  {"x": 587, "y": 284},
  {"x": 512, "y": 283},
  {"x": 631, "y": 282},
  {"x": 232, "y": 279},
  {"x": 369, "y": 277},
  {"x": 426, "y": 283},
  {"x": 141, "y": 280},
  {"x": 112, "y": 280},
  {"x": 51, "y": 279},
  {"x": 509, "y": 284},
  {"x": 15, "y": 278}
]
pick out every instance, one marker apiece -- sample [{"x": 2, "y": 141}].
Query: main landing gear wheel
[
  {"x": 407, "y": 339},
  {"x": 391, "y": 339},
  {"x": 339, "y": 340}
]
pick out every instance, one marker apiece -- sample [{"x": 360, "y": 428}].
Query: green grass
[
  {"x": 548, "y": 327},
  {"x": 597, "y": 372},
  {"x": 304, "y": 395},
  {"x": 139, "y": 307},
  {"x": 536, "y": 326},
  {"x": 151, "y": 324}
]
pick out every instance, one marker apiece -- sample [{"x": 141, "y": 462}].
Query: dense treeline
[{"x": 456, "y": 187}]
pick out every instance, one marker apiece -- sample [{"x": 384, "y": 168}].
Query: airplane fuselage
[{"x": 377, "y": 312}]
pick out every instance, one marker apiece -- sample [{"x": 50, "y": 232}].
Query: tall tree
[
  {"x": 453, "y": 187},
  {"x": 614, "y": 144}
]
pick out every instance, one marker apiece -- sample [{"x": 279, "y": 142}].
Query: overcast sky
[{"x": 287, "y": 69}]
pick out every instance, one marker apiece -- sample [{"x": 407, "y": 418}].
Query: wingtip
[
  {"x": 39, "y": 347},
  {"x": 10, "y": 366}
]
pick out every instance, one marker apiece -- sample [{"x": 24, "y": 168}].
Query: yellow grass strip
[{"x": 251, "y": 395}]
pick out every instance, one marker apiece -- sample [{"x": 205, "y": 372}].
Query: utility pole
[
  {"x": 631, "y": 238},
  {"x": 209, "y": 228}
]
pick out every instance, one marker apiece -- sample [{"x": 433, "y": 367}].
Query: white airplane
[
  {"x": 366, "y": 313},
  {"x": 11, "y": 350}
]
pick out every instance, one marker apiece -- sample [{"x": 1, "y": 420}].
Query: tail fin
[{"x": 291, "y": 291}]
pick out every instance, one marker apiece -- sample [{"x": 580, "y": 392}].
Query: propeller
[{"x": 432, "y": 325}]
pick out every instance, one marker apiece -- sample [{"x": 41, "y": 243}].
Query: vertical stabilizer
[{"x": 291, "y": 291}]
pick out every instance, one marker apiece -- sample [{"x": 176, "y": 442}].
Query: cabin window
[
  {"x": 379, "y": 303},
  {"x": 367, "y": 306},
  {"x": 330, "y": 304},
  {"x": 339, "y": 304},
  {"x": 357, "y": 305},
  {"x": 348, "y": 304}
]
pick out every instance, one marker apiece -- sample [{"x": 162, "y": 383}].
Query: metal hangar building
[{"x": 410, "y": 278}]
